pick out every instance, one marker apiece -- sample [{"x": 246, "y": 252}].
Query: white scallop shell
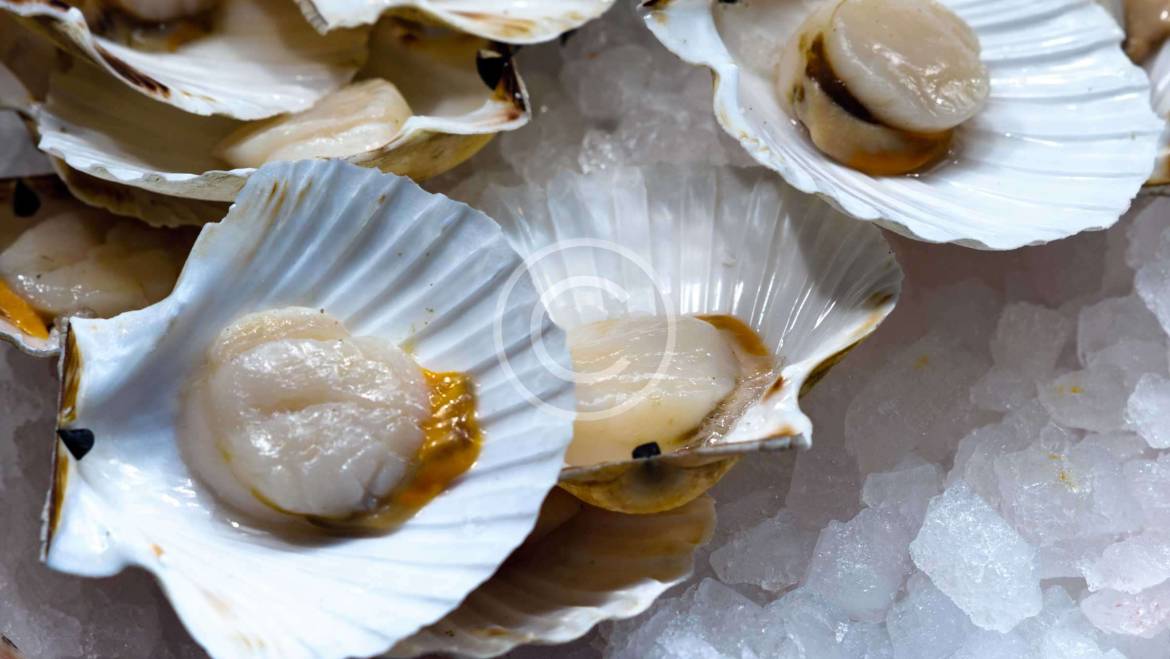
[
  {"x": 599, "y": 566},
  {"x": 809, "y": 281},
  {"x": 260, "y": 59},
  {"x": 1063, "y": 145},
  {"x": 507, "y": 21},
  {"x": 109, "y": 132},
  {"x": 398, "y": 263}
]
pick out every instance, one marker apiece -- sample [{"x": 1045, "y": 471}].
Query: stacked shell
[{"x": 161, "y": 109}]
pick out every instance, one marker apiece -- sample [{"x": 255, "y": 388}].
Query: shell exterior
[
  {"x": 810, "y": 282},
  {"x": 260, "y": 59},
  {"x": 151, "y": 207},
  {"x": 506, "y": 21},
  {"x": 108, "y": 132},
  {"x": 598, "y": 566},
  {"x": 1062, "y": 146},
  {"x": 400, "y": 264}
]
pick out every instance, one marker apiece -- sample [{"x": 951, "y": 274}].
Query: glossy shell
[
  {"x": 598, "y": 566},
  {"x": 400, "y": 264},
  {"x": 810, "y": 282},
  {"x": 107, "y": 132},
  {"x": 259, "y": 59},
  {"x": 506, "y": 21},
  {"x": 1062, "y": 146}
]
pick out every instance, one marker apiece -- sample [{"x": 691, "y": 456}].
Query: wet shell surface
[
  {"x": 260, "y": 58},
  {"x": 507, "y": 21},
  {"x": 400, "y": 265},
  {"x": 595, "y": 566},
  {"x": 700, "y": 241},
  {"x": 1062, "y": 146},
  {"x": 108, "y": 132}
]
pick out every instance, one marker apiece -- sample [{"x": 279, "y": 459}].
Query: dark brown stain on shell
[{"x": 133, "y": 75}]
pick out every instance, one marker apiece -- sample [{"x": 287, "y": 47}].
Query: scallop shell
[
  {"x": 1063, "y": 145},
  {"x": 260, "y": 59},
  {"x": 598, "y": 566},
  {"x": 506, "y": 21},
  {"x": 108, "y": 132},
  {"x": 400, "y": 264},
  {"x": 810, "y": 282}
]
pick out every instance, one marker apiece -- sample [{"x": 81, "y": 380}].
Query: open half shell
[
  {"x": 1062, "y": 146},
  {"x": 86, "y": 262},
  {"x": 590, "y": 566},
  {"x": 507, "y": 21},
  {"x": 700, "y": 241},
  {"x": 258, "y": 59},
  {"x": 390, "y": 261},
  {"x": 110, "y": 133}
]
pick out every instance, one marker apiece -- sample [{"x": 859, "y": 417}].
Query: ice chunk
[
  {"x": 1111, "y": 321},
  {"x": 926, "y": 624},
  {"x": 710, "y": 619},
  {"x": 907, "y": 489},
  {"x": 974, "y": 460},
  {"x": 1093, "y": 399},
  {"x": 918, "y": 400},
  {"x": 991, "y": 645},
  {"x": 1148, "y": 410},
  {"x": 1134, "y": 358},
  {"x": 977, "y": 559},
  {"x": 821, "y": 475},
  {"x": 1044, "y": 496},
  {"x": 1131, "y": 565},
  {"x": 1149, "y": 483},
  {"x": 1152, "y": 282},
  {"x": 773, "y": 554},
  {"x": 1029, "y": 339},
  {"x": 1002, "y": 389},
  {"x": 859, "y": 565},
  {"x": 815, "y": 627},
  {"x": 1144, "y": 614}
]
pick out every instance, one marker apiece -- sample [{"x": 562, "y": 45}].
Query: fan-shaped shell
[
  {"x": 597, "y": 566},
  {"x": 259, "y": 59},
  {"x": 399, "y": 264},
  {"x": 507, "y": 21},
  {"x": 1062, "y": 146},
  {"x": 810, "y": 282},
  {"x": 110, "y": 133}
]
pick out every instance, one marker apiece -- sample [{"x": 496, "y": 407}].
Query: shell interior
[
  {"x": 275, "y": 62},
  {"x": 108, "y": 132},
  {"x": 400, "y": 264},
  {"x": 1062, "y": 146},
  {"x": 506, "y": 21},
  {"x": 701, "y": 241}
]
